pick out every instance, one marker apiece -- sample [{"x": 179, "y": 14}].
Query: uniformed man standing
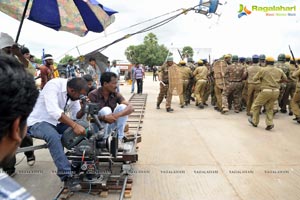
[
  {"x": 284, "y": 67},
  {"x": 242, "y": 61},
  {"x": 200, "y": 75},
  {"x": 219, "y": 68},
  {"x": 169, "y": 78},
  {"x": 186, "y": 76},
  {"x": 290, "y": 88},
  {"x": 270, "y": 78},
  {"x": 295, "y": 102},
  {"x": 253, "y": 86},
  {"x": 209, "y": 89},
  {"x": 234, "y": 75},
  {"x": 190, "y": 64}
]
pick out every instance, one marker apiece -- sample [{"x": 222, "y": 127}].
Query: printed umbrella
[{"x": 75, "y": 16}]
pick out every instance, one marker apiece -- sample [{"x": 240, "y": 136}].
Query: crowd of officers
[{"x": 256, "y": 84}]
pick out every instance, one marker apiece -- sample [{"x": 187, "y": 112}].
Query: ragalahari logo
[{"x": 243, "y": 11}]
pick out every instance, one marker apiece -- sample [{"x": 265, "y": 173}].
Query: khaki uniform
[
  {"x": 186, "y": 75},
  {"x": 163, "y": 74},
  {"x": 209, "y": 88},
  {"x": 170, "y": 76},
  {"x": 191, "y": 82},
  {"x": 253, "y": 86},
  {"x": 200, "y": 76},
  {"x": 281, "y": 65},
  {"x": 269, "y": 77},
  {"x": 233, "y": 76},
  {"x": 219, "y": 83},
  {"x": 245, "y": 89},
  {"x": 295, "y": 102},
  {"x": 290, "y": 88}
]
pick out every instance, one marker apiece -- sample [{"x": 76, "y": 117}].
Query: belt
[
  {"x": 270, "y": 90},
  {"x": 235, "y": 81}
]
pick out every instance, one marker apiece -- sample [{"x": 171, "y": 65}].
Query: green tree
[
  {"x": 149, "y": 53},
  {"x": 187, "y": 52},
  {"x": 38, "y": 60},
  {"x": 66, "y": 59}
]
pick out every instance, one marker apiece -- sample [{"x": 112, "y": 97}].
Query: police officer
[
  {"x": 163, "y": 77},
  {"x": 186, "y": 76},
  {"x": 245, "y": 62},
  {"x": 190, "y": 64},
  {"x": 210, "y": 83},
  {"x": 234, "y": 75},
  {"x": 200, "y": 75},
  {"x": 219, "y": 79},
  {"x": 253, "y": 86},
  {"x": 270, "y": 78},
  {"x": 169, "y": 77},
  {"x": 290, "y": 88},
  {"x": 284, "y": 67},
  {"x": 295, "y": 102}
]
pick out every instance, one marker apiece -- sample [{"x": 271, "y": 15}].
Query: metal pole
[
  {"x": 123, "y": 188},
  {"x": 78, "y": 51},
  {"x": 22, "y": 20}
]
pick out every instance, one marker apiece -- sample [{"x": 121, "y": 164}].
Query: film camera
[{"x": 87, "y": 151}]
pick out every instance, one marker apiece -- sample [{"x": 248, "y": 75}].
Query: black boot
[
  {"x": 200, "y": 105},
  {"x": 269, "y": 127},
  {"x": 157, "y": 106},
  {"x": 170, "y": 109}
]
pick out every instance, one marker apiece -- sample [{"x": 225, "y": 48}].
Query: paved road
[{"x": 197, "y": 154}]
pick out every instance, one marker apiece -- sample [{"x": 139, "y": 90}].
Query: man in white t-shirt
[{"x": 115, "y": 69}]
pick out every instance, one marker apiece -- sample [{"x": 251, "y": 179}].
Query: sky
[{"x": 215, "y": 36}]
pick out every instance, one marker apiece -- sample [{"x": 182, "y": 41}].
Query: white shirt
[
  {"x": 51, "y": 102},
  {"x": 115, "y": 70}
]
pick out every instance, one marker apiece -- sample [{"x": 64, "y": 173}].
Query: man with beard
[
  {"x": 47, "y": 70},
  {"x": 15, "y": 107},
  {"x": 56, "y": 108}
]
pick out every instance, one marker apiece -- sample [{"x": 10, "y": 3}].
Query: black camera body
[{"x": 87, "y": 151}]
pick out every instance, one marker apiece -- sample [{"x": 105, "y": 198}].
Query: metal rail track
[{"x": 135, "y": 120}]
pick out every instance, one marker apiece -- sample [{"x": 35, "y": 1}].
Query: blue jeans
[
  {"x": 119, "y": 124},
  {"x": 49, "y": 133},
  {"x": 132, "y": 85}
]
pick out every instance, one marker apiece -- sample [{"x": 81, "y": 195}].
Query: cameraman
[
  {"x": 18, "y": 96},
  {"x": 111, "y": 115},
  {"x": 55, "y": 110}
]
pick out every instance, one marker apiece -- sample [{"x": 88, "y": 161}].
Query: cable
[
  {"x": 154, "y": 26},
  {"x": 139, "y": 23},
  {"x": 142, "y": 22},
  {"x": 20, "y": 161}
]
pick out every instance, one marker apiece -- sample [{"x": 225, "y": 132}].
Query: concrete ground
[{"x": 196, "y": 154}]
